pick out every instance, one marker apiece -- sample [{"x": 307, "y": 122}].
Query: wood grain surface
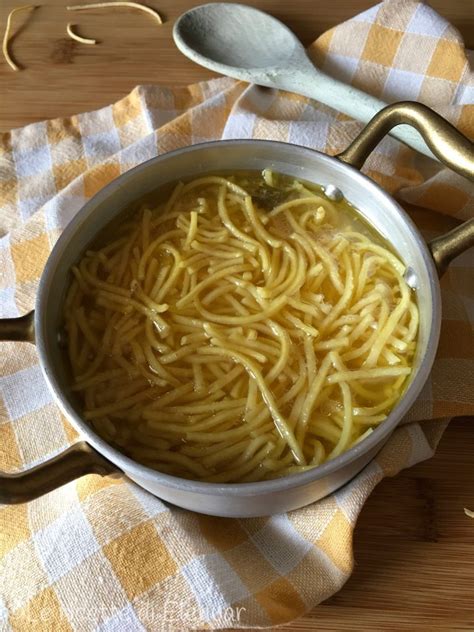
[
  {"x": 62, "y": 77},
  {"x": 414, "y": 546}
]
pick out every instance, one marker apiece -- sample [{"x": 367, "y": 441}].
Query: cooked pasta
[
  {"x": 6, "y": 36},
  {"x": 125, "y": 3},
  {"x": 246, "y": 328},
  {"x": 75, "y": 36}
]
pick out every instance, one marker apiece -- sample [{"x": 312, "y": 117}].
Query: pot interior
[{"x": 376, "y": 207}]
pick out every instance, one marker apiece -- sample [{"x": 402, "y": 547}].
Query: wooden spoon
[{"x": 242, "y": 42}]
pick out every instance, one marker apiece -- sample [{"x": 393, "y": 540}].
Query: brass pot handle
[
  {"x": 448, "y": 246},
  {"x": 445, "y": 141},
  {"x": 22, "y": 328},
  {"x": 76, "y": 461}
]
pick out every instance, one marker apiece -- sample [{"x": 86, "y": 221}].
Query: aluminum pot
[{"x": 424, "y": 263}]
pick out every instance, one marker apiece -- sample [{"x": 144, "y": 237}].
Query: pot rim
[{"x": 288, "y": 482}]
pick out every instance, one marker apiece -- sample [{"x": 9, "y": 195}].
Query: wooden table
[
  {"x": 62, "y": 77},
  {"x": 414, "y": 546}
]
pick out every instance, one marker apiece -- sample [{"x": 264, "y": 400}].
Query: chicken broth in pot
[{"x": 239, "y": 328}]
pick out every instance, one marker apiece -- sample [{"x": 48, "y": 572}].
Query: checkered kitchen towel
[{"x": 102, "y": 554}]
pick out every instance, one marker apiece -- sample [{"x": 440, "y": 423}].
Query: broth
[{"x": 239, "y": 328}]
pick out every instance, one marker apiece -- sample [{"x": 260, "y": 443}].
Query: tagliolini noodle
[{"x": 217, "y": 339}]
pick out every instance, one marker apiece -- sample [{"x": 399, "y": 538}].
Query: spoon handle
[{"x": 359, "y": 105}]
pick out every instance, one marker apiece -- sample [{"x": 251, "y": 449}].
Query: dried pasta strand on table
[
  {"x": 124, "y": 3},
  {"x": 6, "y": 36}
]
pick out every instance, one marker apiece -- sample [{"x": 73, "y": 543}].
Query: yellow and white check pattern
[{"x": 102, "y": 554}]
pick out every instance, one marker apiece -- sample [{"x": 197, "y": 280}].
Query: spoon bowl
[{"x": 219, "y": 33}]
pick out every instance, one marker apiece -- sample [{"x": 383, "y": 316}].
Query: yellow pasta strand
[
  {"x": 6, "y": 36},
  {"x": 78, "y": 38},
  {"x": 215, "y": 339},
  {"x": 105, "y": 5}
]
